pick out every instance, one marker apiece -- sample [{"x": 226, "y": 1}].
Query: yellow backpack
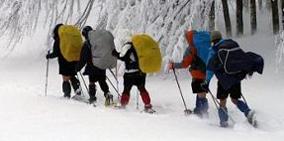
[
  {"x": 148, "y": 52},
  {"x": 70, "y": 42}
]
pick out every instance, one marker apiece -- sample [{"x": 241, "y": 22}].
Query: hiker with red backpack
[
  {"x": 66, "y": 67},
  {"x": 94, "y": 73},
  {"x": 135, "y": 75},
  {"x": 194, "y": 56},
  {"x": 231, "y": 65}
]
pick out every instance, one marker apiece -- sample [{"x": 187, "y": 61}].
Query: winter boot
[
  {"x": 148, "y": 109},
  {"x": 223, "y": 116},
  {"x": 146, "y": 100},
  {"x": 76, "y": 85},
  {"x": 201, "y": 107},
  {"x": 243, "y": 107},
  {"x": 252, "y": 118},
  {"x": 109, "y": 99},
  {"x": 66, "y": 88},
  {"x": 124, "y": 99},
  {"x": 92, "y": 93}
]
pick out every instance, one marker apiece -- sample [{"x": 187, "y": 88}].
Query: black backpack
[{"x": 235, "y": 61}]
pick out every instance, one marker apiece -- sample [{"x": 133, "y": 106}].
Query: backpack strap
[
  {"x": 224, "y": 62},
  {"x": 125, "y": 48}
]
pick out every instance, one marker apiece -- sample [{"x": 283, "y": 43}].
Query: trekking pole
[
  {"x": 137, "y": 99},
  {"x": 113, "y": 86},
  {"x": 218, "y": 105},
  {"x": 80, "y": 86},
  {"x": 46, "y": 74},
  {"x": 244, "y": 99},
  {"x": 85, "y": 84},
  {"x": 115, "y": 77},
  {"x": 117, "y": 82},
  {"x": 186, "y": 111}
]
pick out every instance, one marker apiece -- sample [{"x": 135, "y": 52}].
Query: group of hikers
[{"x": 207, "y": 54}]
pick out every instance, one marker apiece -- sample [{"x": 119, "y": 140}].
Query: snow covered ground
[{"x": 27, "y": 115}]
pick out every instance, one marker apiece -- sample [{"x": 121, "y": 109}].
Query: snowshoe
[
  {"x": 251, "y": 117},
  {"x": 80, "y": 98}
]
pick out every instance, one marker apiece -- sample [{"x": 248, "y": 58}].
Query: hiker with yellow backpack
[
  {"x": 67, "y": 46},
  {"x": 141, "y": 55}
]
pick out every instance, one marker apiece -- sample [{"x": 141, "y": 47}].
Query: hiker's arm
[
  {"x": 209, "y": 70},
  {"x": 55, "y": 50},
  {"x": 187, "y": 59},
  {"x": 84, "y": 57}
]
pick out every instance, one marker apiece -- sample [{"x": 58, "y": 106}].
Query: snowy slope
[{"x": 26, "y": 114}]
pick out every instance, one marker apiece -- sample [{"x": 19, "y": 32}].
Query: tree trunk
[
  {"x": 275, "y": 16},
  {"x": 212, "y": 17},
  {"x": 240, "y": 22},
  {"x": 245, "y": 4},
  {"x": 260, "y": 5},
  {"x": 282, "y": 11},
  {"x": 268, "y": 4},
  {"x": 253, "y": 21},
  {"x": 227, "y": 18}
]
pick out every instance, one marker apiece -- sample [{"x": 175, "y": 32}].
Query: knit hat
[
  {"x": 215, "y": 35},
  {"x": 86, "y": 30}
]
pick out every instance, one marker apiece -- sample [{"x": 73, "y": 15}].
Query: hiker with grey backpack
[
  {"x": 231, "y": 65},
  {"x": 94, "y": 73}
]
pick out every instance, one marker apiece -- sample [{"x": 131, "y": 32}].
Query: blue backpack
[{"x": 201, "y": 40}]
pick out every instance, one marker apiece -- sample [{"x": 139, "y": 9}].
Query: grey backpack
[{"x": 102, "y": 44}]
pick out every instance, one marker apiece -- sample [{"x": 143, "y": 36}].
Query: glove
[
  {"x": 48, "y": 56},
  {"x": 205, "y": 86},
  {"x": 171, "y": 65},
  {"x": 115, "y": 53}
]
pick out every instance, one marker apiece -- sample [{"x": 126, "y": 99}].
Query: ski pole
[
  {"x": 85, "y": 84},
  {"x": 113, "y": 86},
  {"x": 187, "y": 111},
  {"x": 117, "y": 82},
  {"x": 244, "y": 99},
  {"x": 115, "y": 77},
  {"x": 46, "y": 74},
  {"x": 218, "y": 105},
  {"x": 137, "y": 99}
]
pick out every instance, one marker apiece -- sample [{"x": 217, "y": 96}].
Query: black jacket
[{"x": 130, "y": 58}]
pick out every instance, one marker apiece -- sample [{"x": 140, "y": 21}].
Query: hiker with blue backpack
[
  {"x": 195, "y": 56},
  {"x": 231, "y": 65},
  {"x": 94, "y": 73},
  {"x": 66, "y": 65}
]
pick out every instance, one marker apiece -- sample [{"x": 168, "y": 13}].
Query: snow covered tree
[{"x": 282, "y": 11}]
